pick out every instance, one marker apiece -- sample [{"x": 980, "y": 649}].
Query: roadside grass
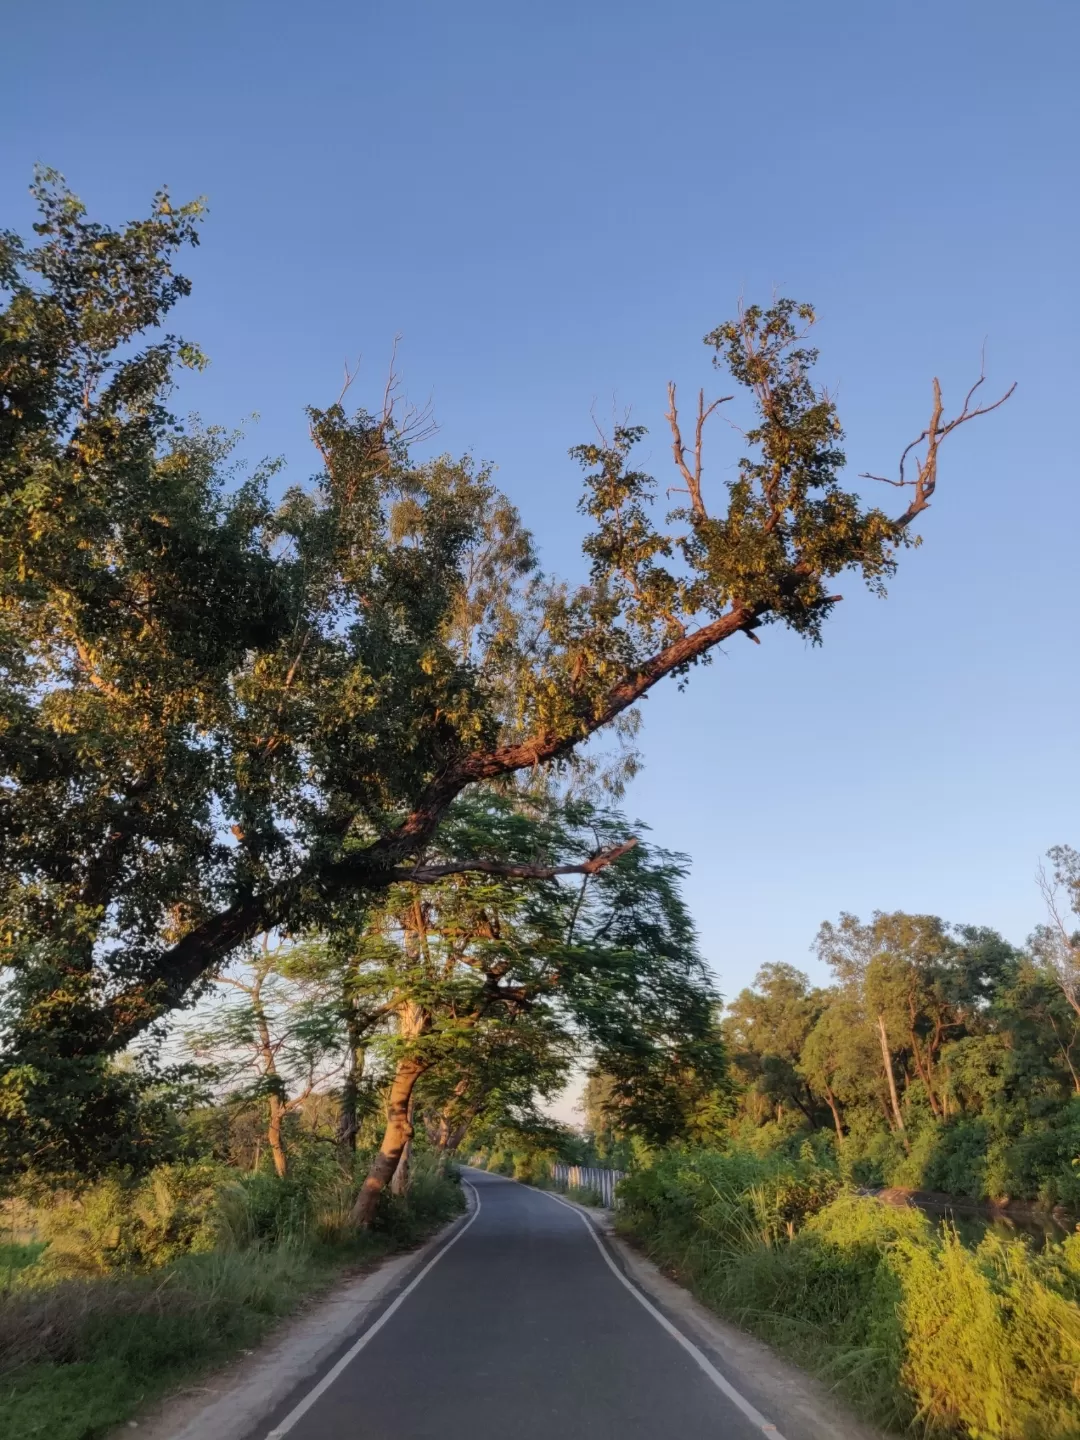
[
  {"x": 79, "y": 1356},
  {"x": 584, "y": 1195},
  {"x": 917, "y": 1333},
  {"x": 15, "y": 1257}
]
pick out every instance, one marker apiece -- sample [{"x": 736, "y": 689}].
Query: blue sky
[{"x": 552, "y": 204}]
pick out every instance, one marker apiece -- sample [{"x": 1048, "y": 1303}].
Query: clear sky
[{"x": 552, "y": 203}]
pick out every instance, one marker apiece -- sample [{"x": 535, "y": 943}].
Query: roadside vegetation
[
  {"x": 914, "y": 1330},
  {"x": 942, "y": 1058},
  {"x": 140, "y": 1286},
  {"x": 940, "y": 1066}
]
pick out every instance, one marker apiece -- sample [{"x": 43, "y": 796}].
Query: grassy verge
[
  {"x": 583, "y": 1195},
  {"x": 917, "y": 1333},
  {"x": 79, "y": 1356}
]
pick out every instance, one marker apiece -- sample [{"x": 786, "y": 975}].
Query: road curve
[{"x": 520, "y": 1330}]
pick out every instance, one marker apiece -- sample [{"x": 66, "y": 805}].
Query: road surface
[{"x": 519, "y": 1330}]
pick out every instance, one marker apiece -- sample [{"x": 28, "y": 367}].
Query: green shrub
[
  {"x": 90, "y": 1336},
  {"x": 585, "y": 1195},
  {"x": 992, "y": 1337},
  {"x": 892, "y": 1311},
  {"x": 120, "y": 1224},
  {"x": 14, "y": 1258}
]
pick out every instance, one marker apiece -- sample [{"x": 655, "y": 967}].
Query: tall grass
[
  {"x": 915, "y": 1331},
  {"x": 101, "y": 1323}
]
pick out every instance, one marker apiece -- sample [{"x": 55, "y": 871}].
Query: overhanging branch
[{"x": 429, "y": 874}]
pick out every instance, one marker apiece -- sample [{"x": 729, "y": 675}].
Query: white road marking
[
  {"x": 300, "y": 1410},
  {"x": 700, "y": 1358}
]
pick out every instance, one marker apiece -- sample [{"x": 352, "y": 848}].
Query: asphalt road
[{"x": 520, "y": 1331}]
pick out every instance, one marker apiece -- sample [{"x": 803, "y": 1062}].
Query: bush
[
  {"x": 121, "y": 1224},
  {"x": 584, "y": 1195},
  {"x": 116, "y": 1312},
  {"x": 894, "y": 1313}
]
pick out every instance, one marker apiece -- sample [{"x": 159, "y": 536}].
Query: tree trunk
[
  {"x": 886, "y": 1057},
  {"x": 402, "y": 1175},
  {"x": 1066, "y": 1054},
  {"x": 923, "y": 1067},
  {"x": 348, "y": 1123},
  {"x": 400, "y": 1183},
  {"x": 397, "y": 1135},
  {"x": 445, "y": 1135},
  {"x": 830, "y": 1100},
  {"x": 273, "y": 1136}
]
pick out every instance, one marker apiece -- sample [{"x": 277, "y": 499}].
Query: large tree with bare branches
[{"x": 224, "y": 714}]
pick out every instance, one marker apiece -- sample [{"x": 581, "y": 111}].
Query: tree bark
[
  {"x": 399, "y": 1185},
  {"x": 886, "y": 1057},
  {"x": 830, "y": 1100},
  {"x": 273, "y": 1137},
  {"x": 396, "y": 1136},
  {"x": 923, "y": 1067},
  {"x": 276, "y": 1106},
  {"x": 403, "y": 1174},
  {"x": 348, "y": 1123}
]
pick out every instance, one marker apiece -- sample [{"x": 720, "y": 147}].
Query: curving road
[{"x": 521, "y": 1327}]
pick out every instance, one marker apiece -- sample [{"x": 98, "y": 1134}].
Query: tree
[
  {"x": 767, "y": 1028},
  {"x": 222, "y": 715},
  {"x": 496, "y": 1083},
  {"x": 1058, "y": 945},
  {"x": 921, "y": 985},
  {"x": 278, "y": 1029},
  {"x": 494, "y": 984},
  {"x": 838, "y": 1058}
]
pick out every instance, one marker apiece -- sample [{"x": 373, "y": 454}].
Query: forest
[{"x": 317, "y": 880}]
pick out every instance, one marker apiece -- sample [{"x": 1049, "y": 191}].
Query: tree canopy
[
  {"x": 227, "y": 711},
  {"x": 942, "y": 1057}
]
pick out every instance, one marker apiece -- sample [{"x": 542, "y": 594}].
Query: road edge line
[
  {"x": 318, "y": 1391},
  {"x": 722, "y": 1383}
]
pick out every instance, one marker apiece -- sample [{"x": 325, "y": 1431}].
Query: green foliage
[
  {"x": 88, "y": 1336},
  {"x": 584, "y": 1195},
  {"x": 493, "y": 986},
  {"x": 222, "y": 716},
  {"x": 992, "y": 1337},
  {"x": 118, "y": 1225},
  {"x": 983, "y": 1049},
  {"x": 908, "y": 1325}
]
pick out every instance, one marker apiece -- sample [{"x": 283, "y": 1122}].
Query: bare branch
[
  {"x": 691, "y": 473},
  {"x": 1065, "y": 961},
  {"x": 429, "y": 874},
  {"x": 350, "y": 376},
  {"x": 416, "y": 424},
  {"x": 393, "y": 385},
  {"x": 924, "y": 482}
]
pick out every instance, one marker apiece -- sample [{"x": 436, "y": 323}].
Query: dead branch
[
  {"x": 924, "y": 482},
  {"x": 429, "y": 874},
  {"x": 1066, "y": 961},
  {"x": 416, "y": 423},
  {"x": 691, "y": 472}
]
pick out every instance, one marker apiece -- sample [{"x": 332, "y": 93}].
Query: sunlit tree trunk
[
  {"x": 886, "y": 1057},
  {"x": 396, "y": 1136},
  {"x": 403, "y": 1174},
  {"x": 276, "y": 1107},
  {"x": 830, "y": 1100},
  {"x": 413, "y": 1021},
  {"x": 273, "y": 1136}
]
